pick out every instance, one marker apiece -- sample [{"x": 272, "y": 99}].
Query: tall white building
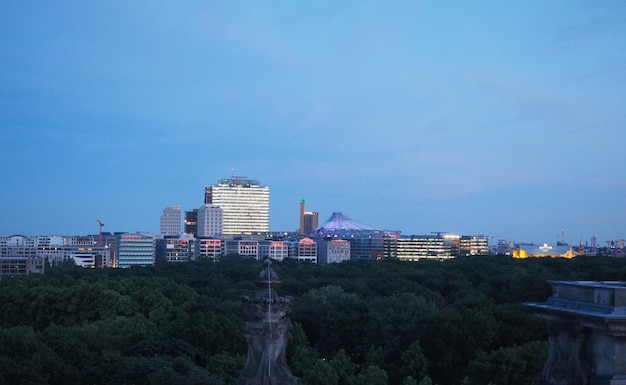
[
  {"x": 245, "y": 205},
  {"x": 170, "y": 220},
  {"x": 210, "y": 221}
]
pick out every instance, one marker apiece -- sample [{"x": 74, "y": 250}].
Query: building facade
[
  {"x": 58, "y": 249},
  {"x": 415, "y": 247},
  {"x": 333, "y": 251},
  {"x": 210, "y": 221},
  {"x": 191, "y": 222},
  {"x": 170, "y": 221},
  {"x": 135, "y": 250},
  {"x": 245, "y": 205},
  {"x": 12, "y": 266},
  {"x": 209, "y": 248},
  {"x": 523, "y": 251},
  {"x": 473, "y": 245},
  {"x": 276, "y": 250},
  {"x": 309, "y": 220},
  {"x": 176, "y": 249},
  {"x": 306, "y": 250},
  {"x": 246, "y": 248}
]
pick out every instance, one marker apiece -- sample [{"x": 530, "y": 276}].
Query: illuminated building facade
[
  {"x": 84, "y": 259},
  {"x": 135, "y": 250},
  {"x": 306, "y": 250},
  {"x": 415, "y": 247},
  {"x": 245, "y": 204},
  {"x": 176, "y": 249},
  {"x": 209, "y": 248},
  {"x": 544, "y": 251},
  {"x": 170, "y": 221},
  {"x": 471, "y": 245}
]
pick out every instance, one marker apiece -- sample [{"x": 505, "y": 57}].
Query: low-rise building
[
  {"x": 209, "y": 248},
  {"x": 12, "y": 266},
  {"x": 276, "y": 250},
  {"x": 306, "y": 250},
  {"x": 333, "y": 251},
  {"x": 176, "y": 248},
  {"x": 247, "y": 248},
  {"x": 135, "y": 250},
  {"x": 544, "y": 251},
  {"x": 415, "y": 247},
  {"x": 473, "y": 245}
]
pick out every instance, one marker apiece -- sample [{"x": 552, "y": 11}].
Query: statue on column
[{"x": 266, "y": 332}]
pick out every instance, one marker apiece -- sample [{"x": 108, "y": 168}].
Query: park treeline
[{"x": 457, "y": 322}]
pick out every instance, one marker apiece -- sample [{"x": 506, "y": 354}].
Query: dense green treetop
[{"x": 456, "y": 322}]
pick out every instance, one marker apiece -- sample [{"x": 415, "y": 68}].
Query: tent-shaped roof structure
[{"x": 340, "y": 226}]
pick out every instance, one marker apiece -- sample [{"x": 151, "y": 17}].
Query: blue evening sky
[{"x": 503, "y": 118}]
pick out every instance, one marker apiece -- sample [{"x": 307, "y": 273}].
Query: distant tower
[
  {"x": 267, "y": 333},
  {"x": 562, "y": 241},
  {"x": 309, "y": 220},
  {"x": 581, "y": 247},
  {"x": 170, "y": 220},
  {"x": 302, "y": 216}
]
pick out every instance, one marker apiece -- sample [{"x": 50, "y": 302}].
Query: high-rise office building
[
  {"x": 245, "y": 205},
  {"x": 170, "y": 220},
  {"x": 210, "y": 221},
  {"x": 191, "y": 222},
  {"x": 308, "y": 219}
]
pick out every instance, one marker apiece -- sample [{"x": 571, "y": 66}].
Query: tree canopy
[{"x": 457, "y": 322}]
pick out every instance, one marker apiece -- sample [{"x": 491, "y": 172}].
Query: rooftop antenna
[{"x": 562, "y": 241}]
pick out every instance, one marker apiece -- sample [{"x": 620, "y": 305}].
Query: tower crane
[{"x": 100, "y": 233}]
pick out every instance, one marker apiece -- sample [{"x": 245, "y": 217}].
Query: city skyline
[{"x": 492, "y": 118}]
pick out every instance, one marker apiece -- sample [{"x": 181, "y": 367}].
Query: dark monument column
[
  {"x": 564, "y": 364},
  {"x": 587, "y": 333},
  {"x": 266, "y": 332}
]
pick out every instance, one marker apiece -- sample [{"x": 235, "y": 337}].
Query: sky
[{"x": 500, "y": 118}]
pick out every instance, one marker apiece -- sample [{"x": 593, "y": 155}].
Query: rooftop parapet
[{"x": 586, "y": 333}]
